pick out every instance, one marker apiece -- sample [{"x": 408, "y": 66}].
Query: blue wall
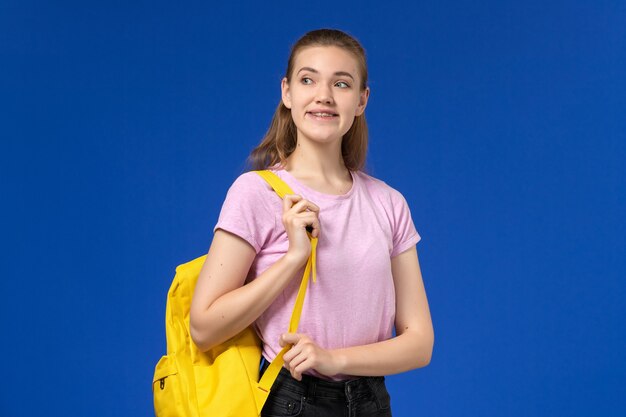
[{"x": 503, "y": 124}]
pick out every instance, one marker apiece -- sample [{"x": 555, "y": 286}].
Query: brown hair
[{"x": 280, "y": 140}]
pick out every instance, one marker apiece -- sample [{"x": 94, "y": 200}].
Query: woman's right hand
[{"x": 298, "y": 213}]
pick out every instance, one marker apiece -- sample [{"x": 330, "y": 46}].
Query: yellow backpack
[{"x": 223, "y": 381}]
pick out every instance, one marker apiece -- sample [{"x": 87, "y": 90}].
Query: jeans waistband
[{"x": 312, "y": 386}]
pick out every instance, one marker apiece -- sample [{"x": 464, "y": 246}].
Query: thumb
[{"x": 288, "y": 339}]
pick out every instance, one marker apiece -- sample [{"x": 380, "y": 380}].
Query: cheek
[
  {"x": 352, "y": 107},
  {"x": 296, "y": 100}
]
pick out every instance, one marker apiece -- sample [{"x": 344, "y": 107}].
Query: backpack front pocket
[{"x": 167, "y": 389}]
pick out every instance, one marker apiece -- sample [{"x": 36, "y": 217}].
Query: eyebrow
[{"x": 347, "y": 74}]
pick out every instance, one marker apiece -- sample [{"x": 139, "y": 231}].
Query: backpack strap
[
  {"x": 268, "y": 378},
  {"x": 282, "y": 188}
]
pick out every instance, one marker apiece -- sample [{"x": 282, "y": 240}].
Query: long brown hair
[{"x": 280, "y": 140}]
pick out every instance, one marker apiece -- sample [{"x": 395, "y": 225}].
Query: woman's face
[{"x": 324, "y": 93}]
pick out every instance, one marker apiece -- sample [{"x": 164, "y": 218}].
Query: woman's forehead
[{"x": 326, "y": 59}]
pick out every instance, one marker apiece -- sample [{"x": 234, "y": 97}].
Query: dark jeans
[{"x": 315, "y": 397}]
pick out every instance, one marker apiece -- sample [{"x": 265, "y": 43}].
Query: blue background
[{"x": 502, "y": 123}]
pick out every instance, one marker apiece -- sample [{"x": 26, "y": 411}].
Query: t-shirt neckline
[{"x": 314, "y": 193}]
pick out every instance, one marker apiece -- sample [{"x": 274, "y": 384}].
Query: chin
[
  {"x": 322, "y": 139},
  {"x": 325, "y": 137}
]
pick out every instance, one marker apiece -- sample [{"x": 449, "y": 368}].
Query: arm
[
  {"x": 222, "y": 306},
  {"x": 411, "y": 348}
]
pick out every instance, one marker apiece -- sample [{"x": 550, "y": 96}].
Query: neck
[{"x": 312, "y": 159}]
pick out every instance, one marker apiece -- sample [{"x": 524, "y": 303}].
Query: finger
[
  {"x": 297, "y": 360},
  {"x": 308, "y": 218},
  {"x": 312, "y": 224},
  {"x": 289, "y": 338},
  {"x": 303, "y": 205},
  {"x": 292, "y": 359},
  {"x": 286, "y": 340},
  {"x": 293, "y": 340},
  {"x": 302, "y": 367},
  {"x": 305, "y": 220},
  {"x": 296, "y": 352},
  {"x": 289, "y": 200},
  {"x": 310, "y": 206},
  {"x": 297, "y": 365},
  {"x": 288, "y": 357}
]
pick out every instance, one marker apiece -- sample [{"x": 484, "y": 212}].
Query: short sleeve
[
  {"x": 404, "y": 233},
  {"x": 245, "y": 211}
]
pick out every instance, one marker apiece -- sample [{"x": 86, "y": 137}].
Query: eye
[
  {"x": 343, "y": 84},
  {"x": 305, "y": 79}
]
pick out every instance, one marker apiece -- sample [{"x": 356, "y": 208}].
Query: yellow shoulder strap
[
  {"x": 273, "y": 369},
  {"x": 280, "y": 186}
]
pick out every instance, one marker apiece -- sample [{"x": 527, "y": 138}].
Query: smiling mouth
[{"x": 323, "y": 115}]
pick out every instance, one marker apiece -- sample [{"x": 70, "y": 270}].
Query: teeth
[{"x": 323, "y": 114}]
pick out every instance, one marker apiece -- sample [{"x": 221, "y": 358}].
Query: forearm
[
  {"x": 238, "y": 309},
  {"x": 404, "y": 352}
]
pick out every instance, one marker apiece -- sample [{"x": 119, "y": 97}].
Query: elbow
[
  {"x": 421, "y": 360},
  {"x": 424, "y": 359},
  {"x": 428, "y": 351},
  {"x": 199, "y": 335},
  {"x": 424, "y": 353},
  {"x": 198, "y": 339}
]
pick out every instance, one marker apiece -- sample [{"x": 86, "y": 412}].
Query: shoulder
[
  {"x": 397, "y": 211},
  {"x": 248, "y": 180},
  {"x": 250, "y": 189},
  {"x": 248, "y": 210},
  {"x": 251, "y": 185},
  {"x": 380, "y": 190}
]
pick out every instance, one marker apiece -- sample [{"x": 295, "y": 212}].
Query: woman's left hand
[{"x": 305, "y": 354}]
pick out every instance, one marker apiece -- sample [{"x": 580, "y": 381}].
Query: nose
[{"x": 324, "y": 94}]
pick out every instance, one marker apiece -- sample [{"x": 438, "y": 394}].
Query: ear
[
  {"x": 363, "y": 97},
  {"x": 286, "y": 94}
]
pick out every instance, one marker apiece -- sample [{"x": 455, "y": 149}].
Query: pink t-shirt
[{"x": 353, "y": 301}]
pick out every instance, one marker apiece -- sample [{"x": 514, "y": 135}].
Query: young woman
[{"x": 368, "y": 275}]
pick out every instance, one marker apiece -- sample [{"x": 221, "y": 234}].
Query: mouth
[{"x": 323, "y": 115}]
